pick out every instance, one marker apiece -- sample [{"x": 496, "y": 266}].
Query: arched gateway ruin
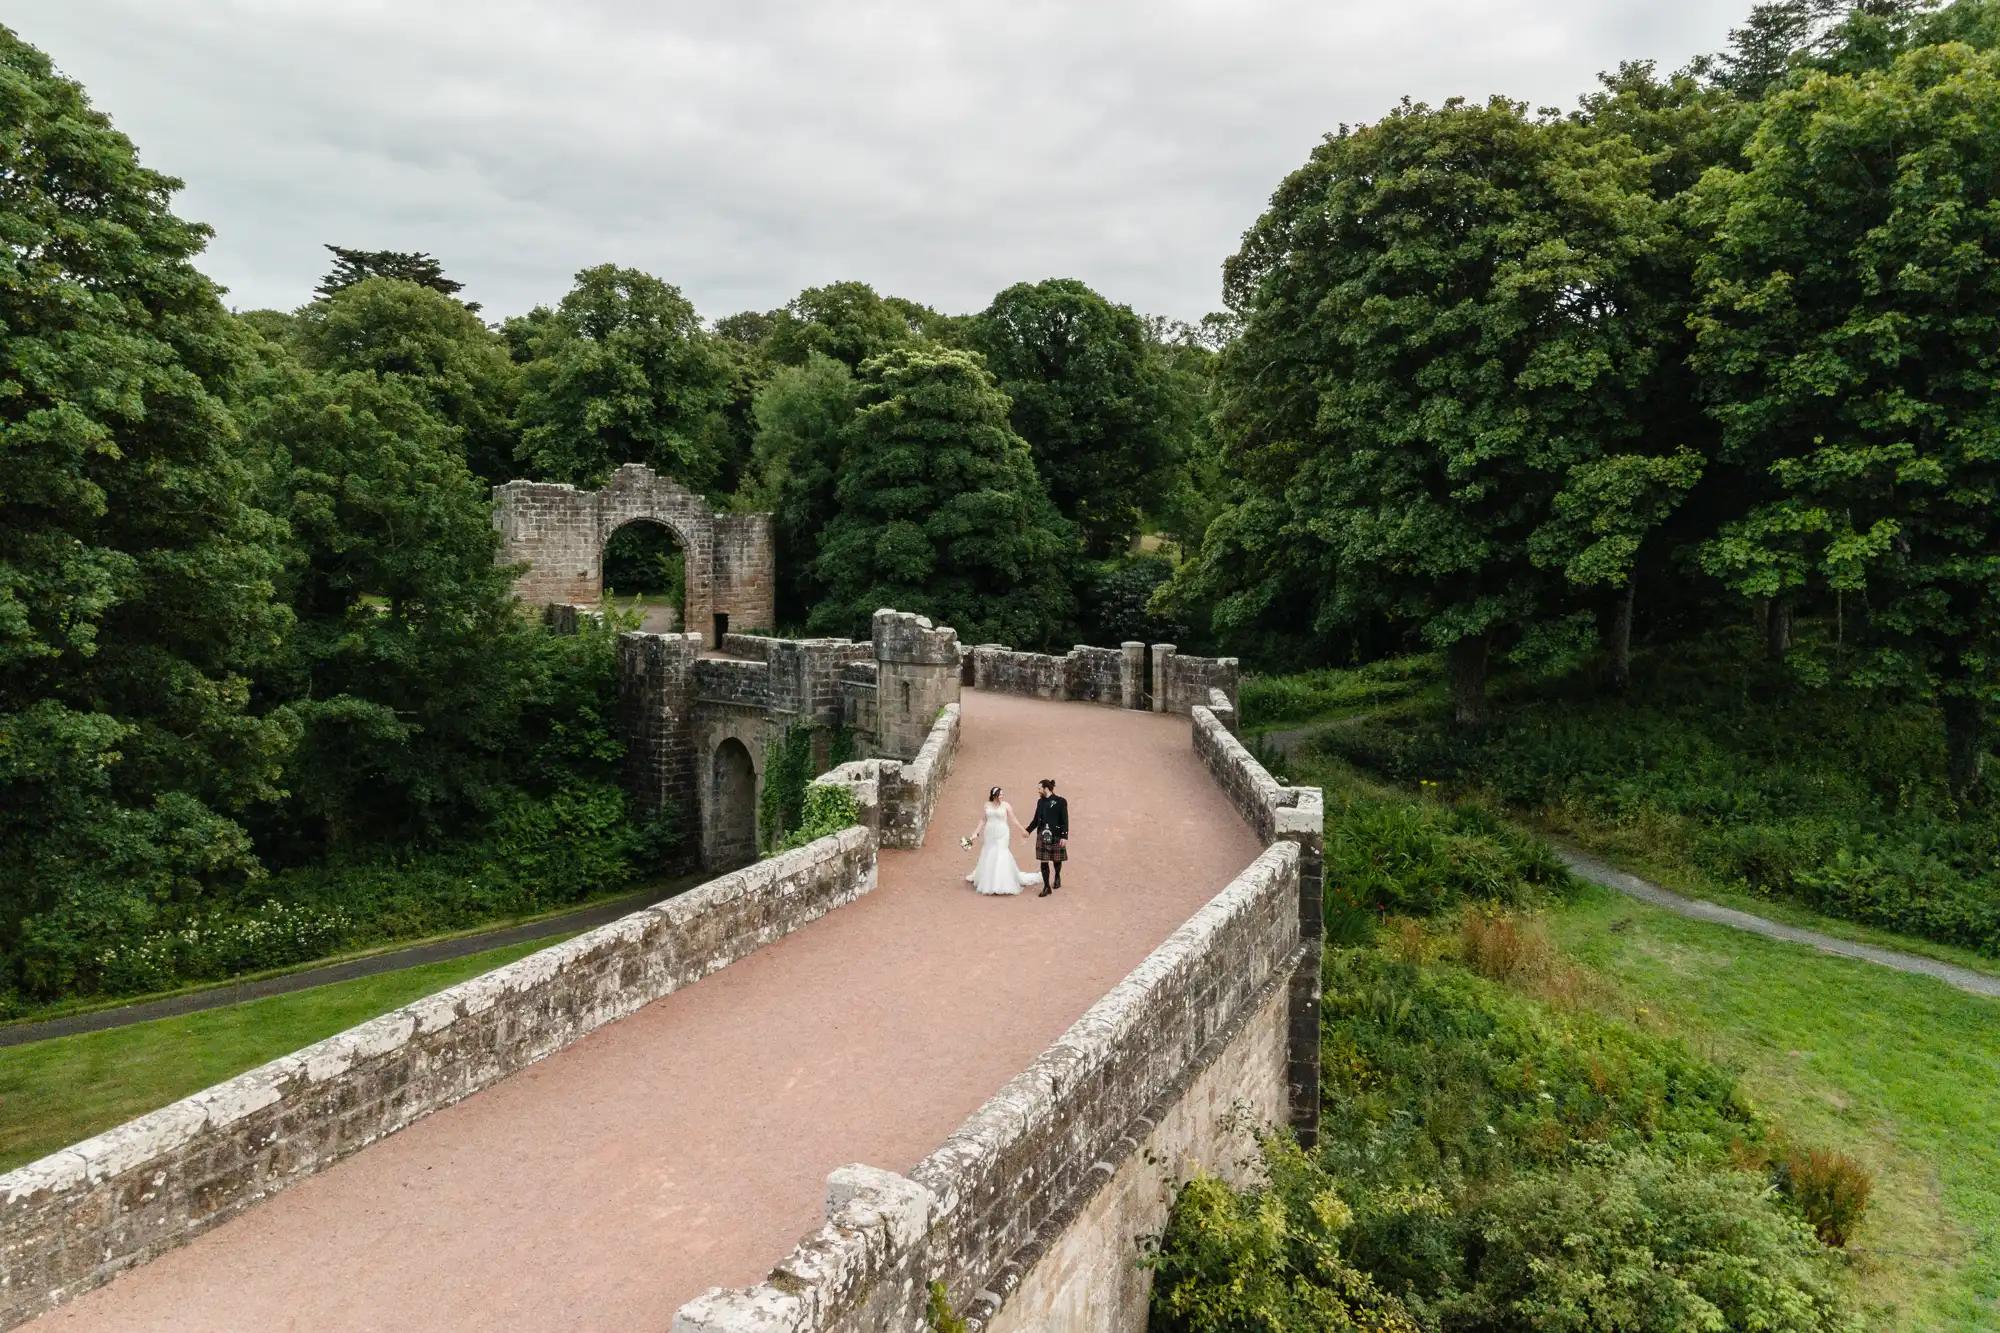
[{"x": 560, "y": 533}]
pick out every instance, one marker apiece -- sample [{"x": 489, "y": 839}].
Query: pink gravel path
[{"x": 687, "y": 1146}]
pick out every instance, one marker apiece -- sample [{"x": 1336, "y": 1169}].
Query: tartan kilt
[{"x": 1049, "y": 846}]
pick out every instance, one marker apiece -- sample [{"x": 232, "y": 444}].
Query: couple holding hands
[{"x": 997, "y": 873}]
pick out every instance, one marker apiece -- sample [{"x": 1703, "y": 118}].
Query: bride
[{"x": 996, "y": 872}]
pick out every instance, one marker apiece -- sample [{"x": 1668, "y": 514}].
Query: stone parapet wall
[
  {"x": 727, "y": 681},
  {"x": 1182, "y": 683},
  {"x": 1114, "y": 676},
  {"x": 73, "y": 1220},
  {"x": 894, "y": 798},
  {"x": 1296, "y": 815},
  {"x": 750, "y": 647},
  {"x": 1224, "y": 710},
  {"x": 981, "y": 1211}
]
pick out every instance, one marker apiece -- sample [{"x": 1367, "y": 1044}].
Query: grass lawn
[
  {"x": 54, "y": 1093},
  {"x": 1899, "y": 1071}
]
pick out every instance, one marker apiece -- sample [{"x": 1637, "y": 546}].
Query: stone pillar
[
  {"x": 1163, "y": 657},
  {"x": 1132, "y": 675},
  {"x": 1304, "y": 823},
  {"x": 917, "y": 673},
  {"x": 654, "y": 707}
]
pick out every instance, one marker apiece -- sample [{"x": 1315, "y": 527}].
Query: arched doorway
[
  {"x": 729, "y": 834},
  {"x": 645, "y": 569}
]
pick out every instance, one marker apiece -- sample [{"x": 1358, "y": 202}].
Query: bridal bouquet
[{"x": 966, "y": 843}]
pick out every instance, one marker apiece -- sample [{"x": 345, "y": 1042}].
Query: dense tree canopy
[
  {"x": 802, "y": 414},
  {"x": 940, "y": 511},
  {"x": 620, "y": 372},
  {"x": 136, "y": 571},
  {"x": 1437, "y": 330},
  {"x": 1849, "y": 335},
  {"x": 434, "y": 345},
  {"x": 1090, "y": 400},
  {"x": 356, "y": 266}
]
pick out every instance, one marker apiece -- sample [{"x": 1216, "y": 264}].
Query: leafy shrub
[
  {"x": 827, "y": 809},
  {"x": 1266, "y": 1260},
  {"x": 1113, "y": 601},
  {"x": 1417, "y": 858},
  {"x": 1834, "y": 800},
  {"x": 1488, "y": 1164},
  {"x": 1830, "y": 1188},
  {"x": 211, "y": 947},
  {"x": 1300, "y": 697},
  {"x": 1636, "y": 1241}
]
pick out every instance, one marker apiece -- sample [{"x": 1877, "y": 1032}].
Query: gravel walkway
[{"x": 1588, "y": 867}]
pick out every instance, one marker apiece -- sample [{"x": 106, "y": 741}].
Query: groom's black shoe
[{"x": 1046, "y": 891}]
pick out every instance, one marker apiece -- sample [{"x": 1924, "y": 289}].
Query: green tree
[
  {"x": 848, "y": 321},
  {"x": 136, "y": 571},
  {"x": 802, "y": 414},
  {"x": 620, "y": 372},
  {"x": 409, "y": 662},
  {"x": 435, "y": 345},
  {"x": 940, "y": 510},
  {"x": 357, "y": 266},
  {"x": 1091, "y": 398},
  {"x": 1436, "y": 329},
  {"x": 1850, "y": 311}
]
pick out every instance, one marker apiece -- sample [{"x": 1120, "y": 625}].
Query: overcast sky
[{"x": 745, "y": 149}]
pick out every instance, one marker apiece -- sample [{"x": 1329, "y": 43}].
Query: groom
[{"x": 1051, "y": 829}]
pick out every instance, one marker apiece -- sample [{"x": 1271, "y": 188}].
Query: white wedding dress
[{"x": 997, "y": 872}]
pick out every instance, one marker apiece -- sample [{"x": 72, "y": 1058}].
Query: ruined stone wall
[
  {"x": 1181, "y": 683},
  {"x": 895, "y": 798},
  {"x": 1114, "y": 676},
  {"x": 1008, "y": 1189},
  {"x": 559, "y": 533},
  {"x": 916, "y": 676},
  {"x": 72, "y": 1220},
  {"x": 724, "y": 680},
  {"x": 746, "y": 572},
  {"x": 655, "y": 712}
]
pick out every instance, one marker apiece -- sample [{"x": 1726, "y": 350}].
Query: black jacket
[{"x": 1051, "y": 813}]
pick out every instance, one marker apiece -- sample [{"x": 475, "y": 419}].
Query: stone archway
[
  {"x": 559, "y": 534},
  {"x": 729, "y": 815},
  {"x": 645, "y": 568}
]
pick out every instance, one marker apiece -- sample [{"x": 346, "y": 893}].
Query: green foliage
[
  {"x": 848, "y": 322},
  {"x": 1847, "y": 308},
  {"x": 1115, "y": 600},
  {"x": 938, "y": 1313},
  {"x": 407, "y": 665},
  {"x": 1265, "y": 1261},
  {"x": 1090, "y": 399},
  {"x": 620, "y": 371},
  {"x": 826, "y": 809},
  {"x": 940, "y": 510},
  {"x": 788, "y": 772},
  {"x": 802, "y": 413},
  {"x": 1491, "y": 1163},
  {"x": 136, "y": 572},
  {"x": 1418, "y": 858},
  {"x": 1834, "y": 799},
  {"x": 351, "y": 267},
  {"x": 1306, "y": 695},
  {"x": 431, "y": 345},
  {"x": 1444, "y": 314}
]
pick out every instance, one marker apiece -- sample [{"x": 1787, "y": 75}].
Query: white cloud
[{"x": 939, "y": 149}]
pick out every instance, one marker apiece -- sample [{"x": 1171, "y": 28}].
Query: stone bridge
[{"x": 793, "y": 1098}]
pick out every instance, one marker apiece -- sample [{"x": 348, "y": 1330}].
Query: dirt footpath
[{"x": 687, "y": 1146}]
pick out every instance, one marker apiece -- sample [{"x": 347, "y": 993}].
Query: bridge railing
[{"x": 979, "y": 1212}]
